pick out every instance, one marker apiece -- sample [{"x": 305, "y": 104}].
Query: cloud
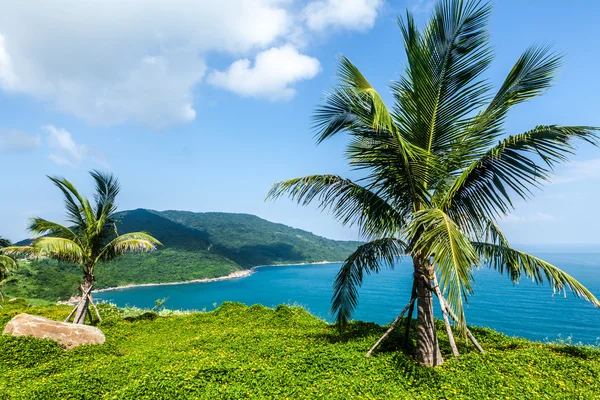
[
  {"x": 272, "y": 75},
  {"x": 579, "y": 171},
  {"x": 115, "y": 61},
  {"x": 8, "y": 79},
  {"x": 536, "y": 217},
  {"x": 348, "y": 14},
  {"x": 17, "y": 141},
  {"x": 65, "y": 151}
]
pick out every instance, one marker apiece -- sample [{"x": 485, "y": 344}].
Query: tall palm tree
[
  {"x": 438, "y": 169},
  {"x": 91, "y": 237},
  {"x": 7, "y": 265}
]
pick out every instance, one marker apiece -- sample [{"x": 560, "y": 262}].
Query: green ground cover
[{"x": 255, "y": 352}]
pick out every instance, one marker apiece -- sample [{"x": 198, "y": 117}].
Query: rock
[{"x": 65, "y": 334}]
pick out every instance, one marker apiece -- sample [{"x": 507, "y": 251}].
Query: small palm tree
[
  {"x": 7, "y": 265},
  {"x": 438, "y": 168},
  {"x": 91, "y": 238}
]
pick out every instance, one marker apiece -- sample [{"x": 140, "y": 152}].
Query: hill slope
[
  {"x": 239, "y": 352},
  {"x": 196, "y": 246}
]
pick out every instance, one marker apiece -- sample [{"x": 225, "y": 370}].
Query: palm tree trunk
[
  {"x": 82, "y": 308},
  {"x": 409, "y": 317},
  {"x": 428, "y": 349}
]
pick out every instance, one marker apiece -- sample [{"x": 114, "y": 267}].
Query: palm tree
[
  {"x": 91, "y": 238},
  {"x": 7, "y": 265},
  {"x": 438, "y": 170}
]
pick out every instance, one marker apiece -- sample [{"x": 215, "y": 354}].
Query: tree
[
  {"x": 438, "y": 170},
  {"x": 91, "y": 238},
  {"x": 7, "y": 265}
]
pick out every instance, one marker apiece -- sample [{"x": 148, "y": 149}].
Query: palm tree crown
[
  {"x": 439, "y": 170},
  {"x": 91, "y": 236}
]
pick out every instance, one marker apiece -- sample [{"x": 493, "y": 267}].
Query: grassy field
[{"x": 255, "y": 352}]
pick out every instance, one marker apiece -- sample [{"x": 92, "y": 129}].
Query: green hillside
[
  {"x": 240, "y": 352},
  {"x": 196, "y": 246}
]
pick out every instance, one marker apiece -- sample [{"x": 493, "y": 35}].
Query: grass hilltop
[{"x": 237, "y": 352}]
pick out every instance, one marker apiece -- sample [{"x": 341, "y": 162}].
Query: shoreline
[{"x": 233, "y": 275}]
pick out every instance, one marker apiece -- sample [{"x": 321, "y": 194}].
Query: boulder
[{"x": 65, "y": 334}]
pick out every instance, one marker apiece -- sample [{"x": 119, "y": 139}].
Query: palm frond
[
  {"x": 378, "y": 117},
  {"x": 485, "y": 186},
  {"x": 368, "y": 258},
  {"x": 7, "y": 264},
  {"x": 41, "y": 226},
  {"x": 4, "y": 242},
  {"x": 8, "y": 280},
  {"x": 107, "y": 189},
  {"x": 515, "y": 264},
  {"x": 128, "y": 243},
  {"x": 20, "y": 252},
  {"x": 454, "y": 257},
  {"x": 58, "y": 248},
  {"x": 442, "y": 86},
  {"x": 354, "y": 103},
  {"x": 531, "y": 75},
  {"x": 77, "y": 213},
  {"x": 349, "y": 202}
]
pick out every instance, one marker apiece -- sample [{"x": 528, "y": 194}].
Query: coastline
[{"x": 234, "y": 275}]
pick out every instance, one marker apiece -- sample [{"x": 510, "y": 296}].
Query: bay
[{"x": 524, "y": 310}]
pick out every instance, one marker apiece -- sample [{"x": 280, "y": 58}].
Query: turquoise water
[{"x": 524, "y": 310}]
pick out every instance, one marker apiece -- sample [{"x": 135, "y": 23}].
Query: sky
[{"x": 202, "y": 105}]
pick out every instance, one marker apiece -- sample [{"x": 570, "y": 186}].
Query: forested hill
[
  {"x": 196, "y": 246},
  {"x": 246, "y": 239}
]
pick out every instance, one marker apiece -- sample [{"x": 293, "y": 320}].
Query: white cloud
[
  {"x": 65, "y": 151},
  {"x": 17, "y": 141},
  {"x": 579, "y": 171},
  {"x": 535, "y": 217},
  {"x": 274, "y": 72},
  {"x": 8, "y": 79},
  {"x": 347, "y": 14},
  {"x": 114, "y": 61}
]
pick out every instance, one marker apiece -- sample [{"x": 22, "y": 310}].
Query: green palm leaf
[
  {"x": 7, "y": 264},
  {"x": 515, "y": 263},
  {"x": 59, "y": 249},
  {"x": 442, "y": 84},
  {"x": 485, "y": 187},
  {"x": 350, "y": 203},
  {"x": 368, "y": 258},
  {"x": 531, "y": 75},
  {"x": 4, "y": 242},
  {"x": 127, "y": 243},
  {"x": 452, "y": 254}
]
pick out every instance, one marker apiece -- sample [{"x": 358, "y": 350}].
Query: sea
[{"x": 523, "y": 310}]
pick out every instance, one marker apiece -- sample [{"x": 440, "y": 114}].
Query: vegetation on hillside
[
  {"x": 7, "y": 266},
  {"x": 237, "y": 351},
  {"x": 249, "y": 240},
  {"x": 195, "y": 246},
  {"x": 91, "y": 237},
  {"x": 439, "y": 167}
]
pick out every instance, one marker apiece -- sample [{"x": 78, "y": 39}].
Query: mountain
[
  {"x": 246, "y": 239},
  {"x": 195, "y": 246}
]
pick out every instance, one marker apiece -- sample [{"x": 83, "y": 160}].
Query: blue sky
[{"x": 202, "y": 105}]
